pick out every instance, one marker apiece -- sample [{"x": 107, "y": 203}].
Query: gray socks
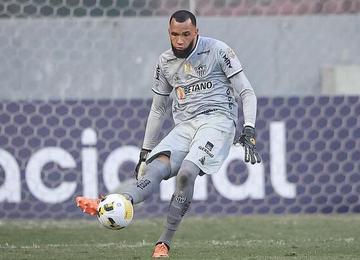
[
  {"x": 181, "y": 200},
  {"x": 155, "y": 172}
]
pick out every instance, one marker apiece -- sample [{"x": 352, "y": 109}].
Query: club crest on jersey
[{"x": 200, "y": 70}]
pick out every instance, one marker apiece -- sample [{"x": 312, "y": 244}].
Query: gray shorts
[{"x": 204, "y": 140}]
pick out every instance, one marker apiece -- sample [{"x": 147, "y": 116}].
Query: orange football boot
[
  {"x": 161, "y": 250},
  {"x": 89, "y": 206}
]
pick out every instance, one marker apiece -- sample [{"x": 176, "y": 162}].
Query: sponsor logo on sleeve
[
  {"x": 226, "y": 59},
  {"x": 157, "y": 72}
]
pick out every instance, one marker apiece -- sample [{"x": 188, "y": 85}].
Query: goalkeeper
[{"x": 204, "y": 77}]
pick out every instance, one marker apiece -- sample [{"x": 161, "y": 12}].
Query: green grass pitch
[{"x": 244, "y": 237}]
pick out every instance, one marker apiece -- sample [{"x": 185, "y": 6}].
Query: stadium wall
[
  {"x": 51, "y": 151},
  {"x": 92, "y": 58}
]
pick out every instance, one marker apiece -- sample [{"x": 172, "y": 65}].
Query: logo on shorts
[
  {"x": 207, "y": 149},
  {"x": 209, "y": 146}
]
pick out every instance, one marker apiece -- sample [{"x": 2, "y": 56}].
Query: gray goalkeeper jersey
[{"x": 200, "y": 83}]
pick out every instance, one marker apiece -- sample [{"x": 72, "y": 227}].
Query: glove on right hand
[{"x": 140, "y": 167}]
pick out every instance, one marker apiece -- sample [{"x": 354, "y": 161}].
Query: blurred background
[
  {"x": 75, "y": 92},
  {"x": 65, "y": 49}
]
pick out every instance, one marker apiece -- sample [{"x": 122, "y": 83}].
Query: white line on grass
[{"x": 120, "y": 244}]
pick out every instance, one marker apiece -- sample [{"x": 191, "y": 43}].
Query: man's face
[{"x": 182, "y": 37}]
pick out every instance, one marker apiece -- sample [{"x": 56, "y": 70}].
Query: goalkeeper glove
[
  {"x": 247, "y": 140},
  {"x": 140, "y": 167}
]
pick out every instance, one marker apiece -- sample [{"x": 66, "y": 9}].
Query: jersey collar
[{"x": 196, "y": 46}]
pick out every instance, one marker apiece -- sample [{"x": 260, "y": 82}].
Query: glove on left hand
[{"x": 248, "y": 141}]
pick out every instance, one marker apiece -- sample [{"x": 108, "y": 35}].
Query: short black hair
[{"x": 182, "y": 15}]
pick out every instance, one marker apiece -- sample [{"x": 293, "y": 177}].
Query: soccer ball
[{"x": 115, "y": 211}]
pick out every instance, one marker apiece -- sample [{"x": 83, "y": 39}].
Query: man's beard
[{"x": 182, "y": 54}]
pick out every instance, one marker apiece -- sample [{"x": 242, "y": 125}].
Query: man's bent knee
[
  {"x": 187, "y": 175},
  {"x": 183, "y": 179},
  {"x": 164, "y": 158}
]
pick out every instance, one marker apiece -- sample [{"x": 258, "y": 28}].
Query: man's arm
[
  {"x": 247, "y": 139},
  {"x": 246, "y": 92},
  {"x": 158, "y": 111},
  {"x": 154, "y": 123}
]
